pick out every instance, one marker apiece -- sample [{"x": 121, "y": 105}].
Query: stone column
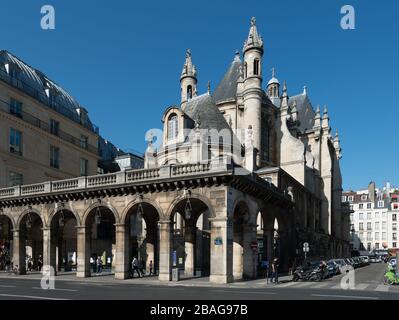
[
  {"x": 19, "y": 251},
  {"x": 121, "y": 252},
  {"x": 269, "y": 244},
  {"x": 165, "y": 246},
  {"x": 238, "y": 257},
  {"x": 83, "y": 252},
  {"x": 150, "y": 247},
  {"x": 189, "y": 241},
  {"x": 221, "y": 250},
  {"x": 49, "y": 249},
  {"x": 250, "y": 258}
]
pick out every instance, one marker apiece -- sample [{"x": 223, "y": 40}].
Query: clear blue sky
[{"x": 122, "y": 61}]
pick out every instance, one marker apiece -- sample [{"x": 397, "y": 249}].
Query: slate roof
[
  {"x": 306, "y": 113},
  {"x": 210, "y": 117},
  {"x": 34, "y": 83},
  {"x": 227, "y": 88}
]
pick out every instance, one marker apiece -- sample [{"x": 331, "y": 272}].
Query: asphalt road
[{"x": 368, "y": 281}]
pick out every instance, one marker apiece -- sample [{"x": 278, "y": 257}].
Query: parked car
[
  {"x": 366, "y": 260},
  {"x": 343, "y": 266},
  {"x": 358, "y": 262},
  {"x": 373, "y": 259},
  {"x": 333, "y": 268}
]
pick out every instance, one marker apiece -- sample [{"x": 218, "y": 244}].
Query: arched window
[
  {"x": 245, "y": 70},
  {"x": 189, "y": 92},
  {"x": 173, "y": 126},
  {"x": 256, "y": 67}
]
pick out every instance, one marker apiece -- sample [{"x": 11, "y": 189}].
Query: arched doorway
[
  {"x": 31, "y": 243},
  {"x": 142, "y": 236},
  {"x": 6, "y": 243},
  {"x": 64, "y": 241},
  {"x": 191, "y": 237},
  {"x": 100, "y": 240}
]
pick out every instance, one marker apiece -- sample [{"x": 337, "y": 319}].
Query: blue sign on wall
[{"x": 218, "y": 241}]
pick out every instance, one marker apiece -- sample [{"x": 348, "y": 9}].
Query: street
[{"x": 368, "y": 282}]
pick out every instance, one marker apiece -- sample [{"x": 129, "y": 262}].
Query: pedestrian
[
  {"x": 94, "y": 258},
  {"x": 40, "y": 263},
  {"x": 151, "y": 266},
  {"x": 275, "y": 265},
  {"x": 99, "y": 265},
  {"x": 135, "y": 266}
]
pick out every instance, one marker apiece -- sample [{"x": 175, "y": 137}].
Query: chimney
[{"x": 372, "y": 191}]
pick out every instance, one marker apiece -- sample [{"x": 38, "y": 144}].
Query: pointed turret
[
  {"x": 337, "y": 145},
  {"x": 284, "y": 98},
  {"x": 326, "y": 120},
  {"x": 317, "y": 118},
  {"x": 188, "y": 80},
  {"x": 294, "y": 111},
  {"x": 254, "y": 39},
  {"x": 253, "y": 93},
  {"x": 305, "y": 90},
  {"x": 273, "y": 86}
]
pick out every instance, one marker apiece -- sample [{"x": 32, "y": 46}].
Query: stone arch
[
  {"x": 242, "y": 201},
  {"x": 27, "y": 211},
  {"x": 100, "y": 205},
  {"x": 197, "y": 196},
  {"x": 135, "y": 202},
  {"x": 9, "y": 216},
  {"x": 56, "y": 210}
]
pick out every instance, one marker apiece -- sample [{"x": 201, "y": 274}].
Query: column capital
[
  {"x": 218, "y": 219},
  {"x": 165, "y": 222}
]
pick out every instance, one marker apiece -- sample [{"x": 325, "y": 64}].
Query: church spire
[
  {"x": 254, "y": 39},
  {"x": 284, "y": 97},
  {"x": 188, "y": 80}
]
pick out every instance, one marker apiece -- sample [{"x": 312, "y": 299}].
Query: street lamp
[
  {"x": 140, "y": 211},
  {"x": 61, "y": 220},
  {"x": 188, "y": 210},
  {"x": 97, "y": 218},
  {"x": 29, "y": 221}
]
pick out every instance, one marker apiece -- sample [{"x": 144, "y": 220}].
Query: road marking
[
  {"x": 361, "y": 286},
  {"x": 242, "y": 292},
  {"x": 55, "y": 289},
  {"x": 382, "y": 288},
  {"x": 320, "y": 285},
  {"x": 304, "y": 284},
  {"x": 344, "y": 297},
  {"x": 2, "y": 286},
  {"x": 29, "y": 297},
  {"x": 288, "y": 284}
]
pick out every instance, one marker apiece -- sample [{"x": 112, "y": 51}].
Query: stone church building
[{"x": 239, "y": 175}]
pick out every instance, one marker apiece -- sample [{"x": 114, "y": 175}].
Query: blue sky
[{"x": 122, "y": 61}]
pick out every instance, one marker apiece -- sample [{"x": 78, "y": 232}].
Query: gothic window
[
  {"x": 245, "y": 70},
  {"x": 256, "y": 67},
  {"x": 189, "y": 92},
  {"x": 265, "y": 131},
  {"x": 173, "y": 128}
]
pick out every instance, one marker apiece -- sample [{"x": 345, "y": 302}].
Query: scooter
[{"x": 307, "y": 274}]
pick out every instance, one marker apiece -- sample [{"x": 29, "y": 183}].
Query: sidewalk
[{"x": 108, "y": 279}]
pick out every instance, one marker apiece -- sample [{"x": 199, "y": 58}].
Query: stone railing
[{"x": 118, "y": 178}]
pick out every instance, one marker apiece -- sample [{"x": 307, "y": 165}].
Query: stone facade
[
  {"x": 41, "y": 122},
  {"x": 237, "y": 169}
]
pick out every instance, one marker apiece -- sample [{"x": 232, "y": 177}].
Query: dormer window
[{"x": 173, "y": 126}]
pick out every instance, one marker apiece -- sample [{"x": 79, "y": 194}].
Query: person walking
[
  {"x": 135, "y": 265},
  {"x": 40, "y": 263},
  {"x": 151, "y": 266},
  {"x": 99, "y": 265},
  {"x": 275, "y": 270}
]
